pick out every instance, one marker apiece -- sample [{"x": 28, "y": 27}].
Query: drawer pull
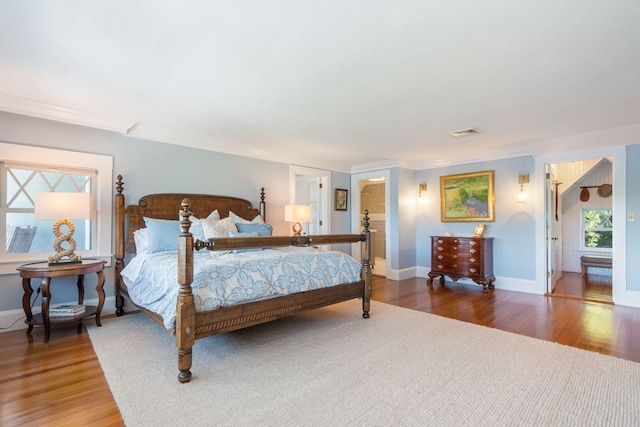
[
  {"x": 455, "y": 240},
  {"x": 473, "y": 260},
  {"x": 455, "y": 248},
  {"x": 472, "y": 243},
  {"x": 440, "y": 266},
  {"x": 473, "y": 251},
  {"x": 440, "y": 241},
  {"x": 472, "y": 270},
  {"x": 440, "y": 257},
  {"x": 440, "y": 248}
]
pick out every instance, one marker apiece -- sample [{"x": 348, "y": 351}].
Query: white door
[
  {"x": 553, "y": 231},
  {"x": 314, "y": 200},
  {"x": 310, "y": 187}
]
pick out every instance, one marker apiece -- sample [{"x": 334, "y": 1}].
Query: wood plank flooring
[{"x": 61, "y": 383}]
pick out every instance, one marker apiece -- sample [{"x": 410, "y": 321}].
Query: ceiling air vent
[{"x": 464, "y": 132}]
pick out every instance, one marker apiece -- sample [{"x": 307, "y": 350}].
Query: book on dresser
[{"x": 66, "y": 310}]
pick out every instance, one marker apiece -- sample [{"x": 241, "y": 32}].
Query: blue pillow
[
  {"x": 248, "y": 234},
  {"x": 261, "y": 229},
  {"x": 162, "y": 235}
]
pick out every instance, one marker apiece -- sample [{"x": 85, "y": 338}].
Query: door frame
[{"x": 620, "y": 294}]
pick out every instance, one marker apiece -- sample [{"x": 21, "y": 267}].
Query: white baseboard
[
  {"x": 13, "y": 320},
  {"x": 505, "y": 283}
]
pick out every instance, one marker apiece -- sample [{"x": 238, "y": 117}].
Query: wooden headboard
[{"x": 168, "y": 205}]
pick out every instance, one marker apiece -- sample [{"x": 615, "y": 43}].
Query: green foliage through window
[{"x": 597, "y": 226}]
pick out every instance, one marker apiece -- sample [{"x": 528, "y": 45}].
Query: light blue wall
[
  {"x": 151, "y": 167},
  {"x": 633, "y": 227},
  {"x": 514, "y": 227}
]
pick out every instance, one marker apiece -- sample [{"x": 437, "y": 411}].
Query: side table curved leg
[
  {"x": 26, "y": 303},
  {"x": 46, "y": 297},
  {"x": 100, "y": 290}
]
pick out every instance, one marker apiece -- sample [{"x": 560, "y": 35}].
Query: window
[
  {"x": 597, "y": 228},
  {"x": 25, "y": 171}
]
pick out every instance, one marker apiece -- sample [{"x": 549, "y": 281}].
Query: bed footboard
[{"x": 190, "y": 326}]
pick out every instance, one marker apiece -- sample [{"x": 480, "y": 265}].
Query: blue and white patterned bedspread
[{"x": 233, "y": 279}]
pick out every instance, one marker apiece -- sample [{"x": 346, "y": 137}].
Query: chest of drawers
[{"x": 459, "y": 257}]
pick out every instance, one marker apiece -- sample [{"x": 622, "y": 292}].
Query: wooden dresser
[{"x": 459, "y": 257}]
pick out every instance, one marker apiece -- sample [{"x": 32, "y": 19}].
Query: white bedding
[{"x": 234, "y": 278}]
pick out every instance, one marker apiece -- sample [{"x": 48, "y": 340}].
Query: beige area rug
[{"x": 330, "y": 367}]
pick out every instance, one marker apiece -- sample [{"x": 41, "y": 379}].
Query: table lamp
[
  {"x": 297, "y": 214},
  {"x": 60, "y": 206}
]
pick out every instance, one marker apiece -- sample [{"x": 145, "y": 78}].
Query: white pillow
[
  {"x": 196, "y": 226},
  {"x": 239, "y": 220},
  {"x": 140, "y": 238},
  {"x": 218, "y": 228}
]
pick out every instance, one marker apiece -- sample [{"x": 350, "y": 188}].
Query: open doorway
[
  {"x": 580, "y": 229},
  {"x": 310, "y": 186},
  {"x": 372, "y": 197},
  {"x": 372, "y": 193}
]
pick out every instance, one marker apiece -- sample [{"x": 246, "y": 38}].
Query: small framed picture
[
  {"x": 341, "y": 199},
  {"x": 479, "y": 230}
]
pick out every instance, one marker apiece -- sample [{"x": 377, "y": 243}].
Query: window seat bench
[{"x": 599, "y": 261}]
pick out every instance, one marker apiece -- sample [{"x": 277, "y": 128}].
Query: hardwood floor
[
  {"x": 594, "y": 287},
  {"x": 61, "y": 383}
]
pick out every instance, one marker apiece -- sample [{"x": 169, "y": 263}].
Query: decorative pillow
[
  {"x": 162, "y": 234},
  {"x": 239, "y": 220},
  {"x": 196, "y": 226},
  {"x": 261, "y": 229},
  {"x": 236, "y": 234},
  {"x": 218, "y": 227},
  {"x": 140, "y": 238}
]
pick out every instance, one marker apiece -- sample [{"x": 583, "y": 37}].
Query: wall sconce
[
  {"x": 523, "y": 196},
  {"x": 56, "y": 205},
  {"x": 422, "y": 187},
  {"x": 297, "y": 214}
]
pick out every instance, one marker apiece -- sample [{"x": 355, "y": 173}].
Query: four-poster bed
[{"x": 192, "y": 322}]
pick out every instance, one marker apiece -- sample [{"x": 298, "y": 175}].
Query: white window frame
[
  {"x": 103, "y": 165},
  {"x": 583, "y": 230}
]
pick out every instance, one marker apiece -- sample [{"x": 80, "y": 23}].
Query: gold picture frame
[
  {"x": 479, "y": 230},
  {"x": 342, "y": 199},
  {"x": 467, "y": 197}
]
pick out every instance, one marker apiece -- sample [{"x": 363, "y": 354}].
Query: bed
[{"x": 192, "y": 320}]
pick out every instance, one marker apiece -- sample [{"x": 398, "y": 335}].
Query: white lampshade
[
  {"x": 58, "y": 205},
  {"x": 297, "y": 213}
]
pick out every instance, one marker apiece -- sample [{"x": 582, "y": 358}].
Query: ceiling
[{"x": 334, "y": 84}]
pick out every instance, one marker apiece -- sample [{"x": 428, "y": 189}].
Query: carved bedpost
[
  {"x": 263, "y": 212},
  {"x": 366, "y": 266},
  {"x": 119, "y": 250},
  {"x": 185, "y": 309}
]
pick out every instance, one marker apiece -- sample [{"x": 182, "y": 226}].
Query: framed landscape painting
[{"x": 467, "y": 197}]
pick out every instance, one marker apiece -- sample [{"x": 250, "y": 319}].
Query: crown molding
[
  {"x": 375, "y": 166},
  {"x": 43, "y": 110},
  {"x": 483, "y": 157},
  {"x": 193, "y": 141}
]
